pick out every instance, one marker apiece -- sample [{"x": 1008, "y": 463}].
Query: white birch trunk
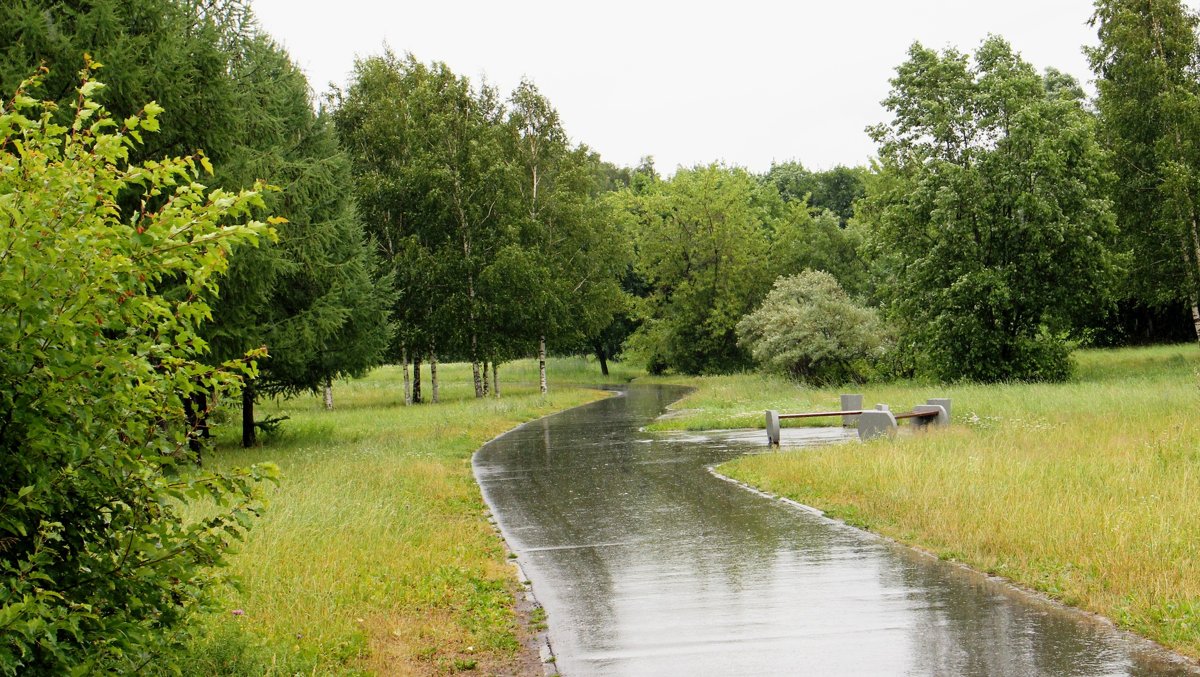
[
  {"x": 1192, "y": 262},
  {"x": 542, "y": 364},
  {"x": 475, "y": 373},
  {"x": 433, "y": 380},
  {"x": 407, "y": 383},
  {"x": 329, "y": 394},
  {"x": 1196, "y": 317}
]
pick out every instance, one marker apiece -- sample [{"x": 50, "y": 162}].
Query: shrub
[
  {"x": 809, "y": 328},
  {"x": 95, "y": 363}
]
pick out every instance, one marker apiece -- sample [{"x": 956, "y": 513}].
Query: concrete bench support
[
  {"x": 944, "y": 403},
  {"x": 851, "y": 403},
  {"x": 877, "y": 423},
  {"x": 942, "y": 419},
  {"x": 772, "y": 427}
]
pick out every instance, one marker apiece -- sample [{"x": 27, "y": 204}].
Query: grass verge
[
  {"x": 1088, "y": 491},
  {"x": 375, "y": 555}
]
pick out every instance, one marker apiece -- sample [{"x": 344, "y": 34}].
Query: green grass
[
  {"x": 375, "y": 555},
  {"x": 1088, "y": 491}
]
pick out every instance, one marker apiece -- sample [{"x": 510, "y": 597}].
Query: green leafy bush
[
  {"x": 97, "y": 565},
  {"x": 809, "y": 328}
]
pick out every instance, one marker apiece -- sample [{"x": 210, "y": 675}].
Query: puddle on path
[{"x": 649, "y": 565}]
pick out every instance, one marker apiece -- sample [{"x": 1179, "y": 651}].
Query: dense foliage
[
  {"x": 990, "y": 217},
  {"x": 1148, "y": 79},
  {"x": 174, "y": 52},
  {"x": 833, "y": 190},
  {"x": 487, "y": 216},
  {"x": 709, "y": 243},
  {"x": 95, "y": 367},
  {"x": 314, "y": 298}
]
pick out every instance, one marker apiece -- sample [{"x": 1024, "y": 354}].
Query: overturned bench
[{"x": 871, "y": 423}]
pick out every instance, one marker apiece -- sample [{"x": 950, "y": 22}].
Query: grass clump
[
  {"x": 375, "y": 555},
  {"x": 1087, "y": 490}
]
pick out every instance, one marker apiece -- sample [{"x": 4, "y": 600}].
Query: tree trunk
[
  {"x": 1195, "y": 268},
  {"x": 466, "y": 248},
  {"x": 495, "y": 382},
  {"x": 542, "y": 364},
  {"x": 471, "y": 322},
  {"x": 416, "y": 393},
  {"x": 328, "y": 393},
  {"x": 193, "y": 417},
  {"x": 201, "y": 404},
  {"x": 485, "y": 378},
  {"x": 1196, "y": 317},
  {"x": 475, "y": 371},
  {"x": 1193, "y": 278},
  {"x": 248, "y": 430},
  {"x": 433, "y": 382},
  {"x": 407, "y": 384},
  {"x": 602, "y": 356}
]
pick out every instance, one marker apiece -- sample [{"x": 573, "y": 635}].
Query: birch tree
[
  {"x": 576, "y": 254},
  {"x": 432, "y": 179},
  {"x": 1148, "y": 78}
]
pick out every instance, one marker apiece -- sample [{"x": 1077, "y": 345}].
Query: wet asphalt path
[{"x": 648, "y": 565}]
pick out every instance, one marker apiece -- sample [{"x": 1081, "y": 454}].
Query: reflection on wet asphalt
[{"x": 648, "y": 565}]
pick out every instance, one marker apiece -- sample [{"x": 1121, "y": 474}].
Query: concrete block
[
  {"x": 943, "y": 402},
  {"x": 851, "y": 403},
  {"x": 881, "y": 407},
  {"x": 772, "y": 427},
  {"x": 942, "y": 418},
  {"x": 878, "y": 423}
]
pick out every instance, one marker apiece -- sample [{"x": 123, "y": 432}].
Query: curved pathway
[{"x": 648, "y": 565}]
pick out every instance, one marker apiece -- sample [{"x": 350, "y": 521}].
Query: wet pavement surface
[{"x": 647, "y": 564}]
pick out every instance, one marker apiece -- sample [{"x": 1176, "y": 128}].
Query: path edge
[{"x": 1160, "y": 651}]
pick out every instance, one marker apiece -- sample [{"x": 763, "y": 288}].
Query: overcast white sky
[{"x": 747, "y": 82}]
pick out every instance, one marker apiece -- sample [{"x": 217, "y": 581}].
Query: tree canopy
[
  {"x": 1148, "y": 78},
  {"x": 488, "y": 216},
  {"x": 990, "y": 217}
]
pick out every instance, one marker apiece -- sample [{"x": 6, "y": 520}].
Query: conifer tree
[{"x": 313, "y": 299}]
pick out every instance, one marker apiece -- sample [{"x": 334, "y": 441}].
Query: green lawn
[
  {"x": 375, "y": 554},
  {"x": 1088, "y": 490}
]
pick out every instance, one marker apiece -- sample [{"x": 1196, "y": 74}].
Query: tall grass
[
  {"x": 375, "y": 555},
  {"x": 1088, "y": 490}
]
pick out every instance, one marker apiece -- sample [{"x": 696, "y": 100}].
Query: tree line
[{"x": 1005, "y": 220}]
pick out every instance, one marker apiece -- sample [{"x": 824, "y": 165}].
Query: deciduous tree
[
  {"x": 990, "y": 220},
  {"x": 1147, "y": 66},
  {"x": 98, "y": 564},
  {"x": 702, "y": 243}
]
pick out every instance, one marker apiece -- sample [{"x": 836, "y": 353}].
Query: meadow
[
  {"x": 375, "y": 555},
  {"x": 1088, "y": 491}
]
